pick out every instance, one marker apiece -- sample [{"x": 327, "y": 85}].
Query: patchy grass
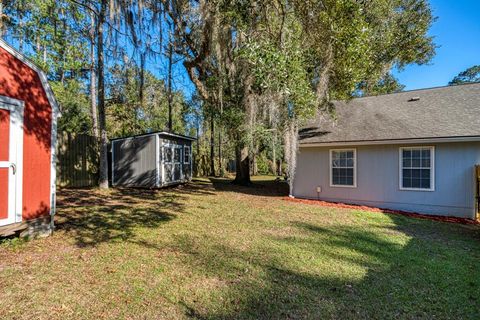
[{"x": 211, "y": 250}]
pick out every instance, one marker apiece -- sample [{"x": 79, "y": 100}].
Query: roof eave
[
  {"x": 43, "y": 77},
  {"x": 392, "y": 141}
]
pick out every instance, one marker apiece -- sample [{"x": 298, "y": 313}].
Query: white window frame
[
  {"x": 354, "y": 168},
  {"x": 177, "y": 147},
  {"x": 186, "y": 150},
  {"x": 432, "y": 168}
]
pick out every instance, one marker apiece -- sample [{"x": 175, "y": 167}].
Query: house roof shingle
[{"x": 442, "y": 112}]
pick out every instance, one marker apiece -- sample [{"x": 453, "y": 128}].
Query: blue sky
[{"x": 457, "y": 33}]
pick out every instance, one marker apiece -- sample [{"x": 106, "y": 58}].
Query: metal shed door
[
  {"x": 167, "y": 176},
  {"x": 172, "y": 163},
  {"x": 11, "y": 142},
  {"x": 177, "y": 162}
]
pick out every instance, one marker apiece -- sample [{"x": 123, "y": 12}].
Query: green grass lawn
[{"x": 213, "y": 251}]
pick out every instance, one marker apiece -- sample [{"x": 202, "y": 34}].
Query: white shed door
[{"x": 11, "y": 150}]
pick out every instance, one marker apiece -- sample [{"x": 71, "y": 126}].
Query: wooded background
[{"x": 241, "y": 76}]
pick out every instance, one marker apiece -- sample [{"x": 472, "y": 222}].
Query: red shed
[{"x": 28, "y": 125}]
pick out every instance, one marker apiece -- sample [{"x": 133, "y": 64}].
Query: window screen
[
  {"x": 417, "y": 168},
  {"x": 343, "y": 167},
  {"x": 177, "y": 154},
  {"x": 167, "y": 154},
  {"x": 187, "y": 154}
]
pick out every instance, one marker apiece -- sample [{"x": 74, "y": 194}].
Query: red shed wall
[{"x": 20, "y": 82}]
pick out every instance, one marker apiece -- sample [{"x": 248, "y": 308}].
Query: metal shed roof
[{"x": 162, "y": 133}]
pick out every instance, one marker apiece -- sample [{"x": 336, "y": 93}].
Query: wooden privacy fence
[{"x": 77, "y": 160}]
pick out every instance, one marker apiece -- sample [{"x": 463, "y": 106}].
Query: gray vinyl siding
[
  {"x": 134, "y": 162},
  {"x": 378, "y": 179}
]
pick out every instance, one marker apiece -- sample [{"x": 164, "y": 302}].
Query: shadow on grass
[
  {"x": 264, "y": 187},
  {"x": 93, "y": 218},
  {"x": 343, "y": 272},
  {"x": 404, "y": 269}
]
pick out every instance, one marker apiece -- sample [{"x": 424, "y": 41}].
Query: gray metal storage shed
[{"x": 151, "y": 160}]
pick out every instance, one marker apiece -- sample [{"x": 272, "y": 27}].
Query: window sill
[
  {"x": 417, "y": 189},
  {"x": 342, "y": 186}
]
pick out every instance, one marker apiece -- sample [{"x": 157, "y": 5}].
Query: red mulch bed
[{"x": 380, "y": 210}]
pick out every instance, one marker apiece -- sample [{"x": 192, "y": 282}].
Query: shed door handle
[{"x": 14, "y": 167}]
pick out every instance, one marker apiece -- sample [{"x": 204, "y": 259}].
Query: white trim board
[
  {"x": 157, "y": 160},
  {"x": 15, "y": 161}
]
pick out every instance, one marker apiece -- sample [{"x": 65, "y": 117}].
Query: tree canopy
[
  {"x": 275, "y": 63},
  {"x": 260, "y": 69},
  {"x": 470, "y": 75}
]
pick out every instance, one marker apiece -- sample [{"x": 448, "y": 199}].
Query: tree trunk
[
  {"x": 141, "y": 87},
  {"x": 197, "y": 146},
  {"x": 212, "y": 146},
  {"x": 93, "y": 79},
  {"x": 291, "y": 149},
  {"x": 220, "y": 167},
  {"x": 170, "y": 62},
  {"x": 63, "y": 53},
  {"x": 103, "y": 174},
  {"x": 242, "y": 173},
  {"x": 2, "y": 29},
  {"x": 274, "y": 154},
  {"x": 22, "y": 35}
]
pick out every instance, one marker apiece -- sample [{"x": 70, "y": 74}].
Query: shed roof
[
  {"x": 161, "y": 133},
  {"x": 43, "y": 77},
  {"x": 443, "y": 112}
]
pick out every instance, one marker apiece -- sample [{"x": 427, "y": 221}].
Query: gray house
[
  {"x": 151, "y": 160},
  {"x": 413, "y": 151}
]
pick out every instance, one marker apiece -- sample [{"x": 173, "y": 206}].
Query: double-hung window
[
  {"x": 343, "y": 166},
  {"x": 417, "y": 168}
]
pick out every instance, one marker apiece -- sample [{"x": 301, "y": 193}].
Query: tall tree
[
  {"x": 102, "y": 125},
  {"x": 93, "y": 77},
  {"x": 169, "y": 75},
  {"x": 470, "y": 75},
  {"x": 275, "y": 51},
  {"x": 127, "y": 115},
  {"x": 114, "y": 22}
]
